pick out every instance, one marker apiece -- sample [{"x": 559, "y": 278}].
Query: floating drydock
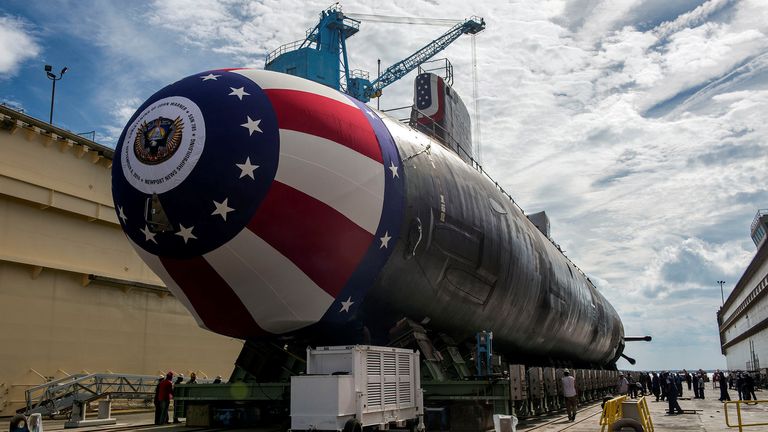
[{"x": 74, "y": 296}]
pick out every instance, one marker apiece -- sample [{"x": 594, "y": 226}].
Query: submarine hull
[
  {"x": 273, "y": 206},
  {"x": 469, "y": 259}
]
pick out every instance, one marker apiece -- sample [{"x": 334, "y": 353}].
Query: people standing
[
  {"x": 158, "y": 408},
  {"x": 570, "y": 394},
  {"x": 192, "y": 378},
  {"x": 674, "y": 406},
  {"x": 740, "y": 385},
  {"x": 164, "y": 396},
  {"x": 679, "y": 384},
  {"x": 701, "y": 385},
  {"x": 748, "y": 387},
  {"x": 622, "y": 385},
  {"x": 655, "y": 385},
  {"x": 695, "y": 380},
  {"x": 687, "y": 377},
  {"x": 724, "y": 396}
]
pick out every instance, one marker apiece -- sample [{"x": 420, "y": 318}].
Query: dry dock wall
[{"x": 74, "y": 296}]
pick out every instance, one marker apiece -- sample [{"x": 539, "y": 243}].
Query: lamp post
[
  {"x": 721, "y": 291},
  {"x": 52, "y": 76}
]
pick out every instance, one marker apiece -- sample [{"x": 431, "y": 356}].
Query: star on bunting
[
  {"x": 222, "y": 208},
  {"x": 122, "y": 215},
  {"x": 385, "y": 240},
  {"x": 394, "y": 169},
  {"x": 210, "y": 77},
  {"x": 148, "y": 235},
  {"x": 239, "y": 92},
  {"x": 186, "y": 233},
  {"x": 252, "y": 126},
  {"x": 246, "y": 169},
  {"x": 346, "y": 305}
]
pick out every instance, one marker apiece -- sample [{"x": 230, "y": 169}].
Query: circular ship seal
[{"x": 163, "y": 144}]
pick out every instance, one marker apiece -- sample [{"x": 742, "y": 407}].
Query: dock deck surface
[{"x": 709, "y": 417}]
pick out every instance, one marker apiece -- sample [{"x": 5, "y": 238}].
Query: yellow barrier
[
  {"x": 613, "y": 412},
  {"x": 741, "y": 425},
  {"x": 645, "y": 415}
]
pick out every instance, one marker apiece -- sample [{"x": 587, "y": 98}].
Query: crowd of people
[{"x": 668, "y": 386}]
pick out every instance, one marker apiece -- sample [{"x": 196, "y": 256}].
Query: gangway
[{"x": 59, "y": 396}]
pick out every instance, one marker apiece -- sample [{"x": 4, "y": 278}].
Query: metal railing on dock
[
  {"x": 741, "y": 425},
  {"x": 59, "y": 395}
]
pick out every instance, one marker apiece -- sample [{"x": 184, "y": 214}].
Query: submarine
[{"x": 277, "y": 208}]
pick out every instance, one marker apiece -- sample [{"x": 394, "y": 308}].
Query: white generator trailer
[{"x": 348, "y": 388}]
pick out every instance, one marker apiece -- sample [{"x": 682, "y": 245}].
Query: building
[
  {"x": 743, "y": 319},
  {"x": 74, "y": 296}
]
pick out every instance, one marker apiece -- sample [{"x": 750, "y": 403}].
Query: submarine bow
[{"x": 273, "y": 205}]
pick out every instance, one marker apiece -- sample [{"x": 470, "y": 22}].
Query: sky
[{"x": 639, "y": 126}]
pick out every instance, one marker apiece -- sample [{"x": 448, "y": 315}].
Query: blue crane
[{"x": 322, "y": 55}]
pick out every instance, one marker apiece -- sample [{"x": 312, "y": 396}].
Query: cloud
[
  {"x": 19, "y": 45},
  {"x": 120, "y": 113}
]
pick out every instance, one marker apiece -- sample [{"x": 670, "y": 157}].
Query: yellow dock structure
[{"x": 74, "y": 296}]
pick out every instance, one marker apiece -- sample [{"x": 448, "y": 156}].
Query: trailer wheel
[
  {"x": 627, "y": 424},
  {"x": 353, "y": 425}
]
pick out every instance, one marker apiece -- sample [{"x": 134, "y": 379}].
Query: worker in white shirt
[{"x": 569, "y": 391}]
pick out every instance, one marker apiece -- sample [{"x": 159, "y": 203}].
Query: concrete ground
[{"x": 709, "y": 416}]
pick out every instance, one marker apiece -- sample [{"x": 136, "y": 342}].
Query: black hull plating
[{"x": 468, "y": 260}]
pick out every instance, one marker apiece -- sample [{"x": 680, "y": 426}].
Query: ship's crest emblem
[{"x": 157, "y": 140}]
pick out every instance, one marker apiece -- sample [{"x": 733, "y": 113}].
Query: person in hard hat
[
  {"x": 622, "y": 385},
  {"x": 570, "y": 394}
]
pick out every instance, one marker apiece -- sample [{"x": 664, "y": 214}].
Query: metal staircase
[{"x": 59, "y": 396}]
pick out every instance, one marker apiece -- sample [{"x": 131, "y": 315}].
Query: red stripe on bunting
[
  {"x": 322, "y": 242},
  {"x": 324, "y": 117},
  {"x": 214, "y": 301}
]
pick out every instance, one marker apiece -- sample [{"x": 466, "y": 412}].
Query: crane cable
[{"x": 476, "y": 135}]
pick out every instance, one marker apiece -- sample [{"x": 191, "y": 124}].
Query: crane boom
[
  {"x": 364, "y": 90},
  {"x": 322, "y": 55}
]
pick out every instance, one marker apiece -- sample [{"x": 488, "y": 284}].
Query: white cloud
[
  {"x": 18, "y": 45},
  {"x": 120, "y": 112}
]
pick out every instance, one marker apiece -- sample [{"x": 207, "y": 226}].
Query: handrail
[
  {"x": 612, "y": 412},
  {"x": 756, "y": 220},
  {"x": 741, "y": 425},
  {"x": 290, "y": 46},
  {"x": 60, "y": 394},
  {"x": 645, "y": 415}
]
